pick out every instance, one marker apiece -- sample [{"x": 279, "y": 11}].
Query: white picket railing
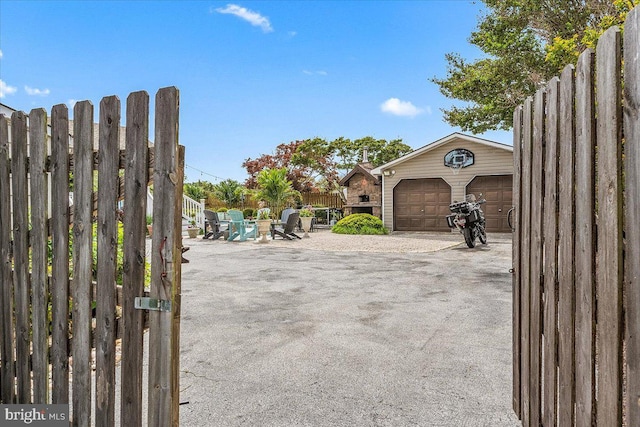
[{"x": 191, "y": 209}]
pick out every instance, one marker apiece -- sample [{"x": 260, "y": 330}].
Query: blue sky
[{"x": 251, "y": 74}]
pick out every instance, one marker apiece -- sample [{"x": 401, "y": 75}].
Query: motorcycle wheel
[
  {"x": 469, "y": 238},
  {"x": 482, "y": 234}
]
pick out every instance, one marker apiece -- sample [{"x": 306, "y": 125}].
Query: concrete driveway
[{"x": 286, "y": 335}]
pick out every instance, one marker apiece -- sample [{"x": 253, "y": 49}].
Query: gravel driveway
[{"x": 400, "y": 330}]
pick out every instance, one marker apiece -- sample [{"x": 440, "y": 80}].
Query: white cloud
[
  {"x": 254, "y": 18},
  {"x": 0, "y": 53},
  {"x": 71, "y": 103},
  {"x": 5, "y": 89},
  {"x": 311, "y": 73},
  {"x": 36, "y": 92},
  {"x": 292, "y": 33},
  {"x": 400, "y": 108}
]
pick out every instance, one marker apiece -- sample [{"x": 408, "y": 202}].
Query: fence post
[
  {"x": 59, "y": 285},
  {"x": 135, "y": 202},
  {"x": 39, "y": 275},
  {"x": 22, "y": 288},
  {"x": 632, "y": 191},
  {"x": 609, "y": 255},
  {"x": 7, "y": 369},
  {"x": 525, "y": 266},
  {"x": 82, "y": 261},
  {"x": 107, "y": 240},
  {"x": 516, "y": 279},
  {"x": 165, "y": 259},
  {"x": 566, "y": 231},
  {"x": 585, "y": 241},
  {"x": 537, "y": 194},
  {"x": 550, "y": 256}
]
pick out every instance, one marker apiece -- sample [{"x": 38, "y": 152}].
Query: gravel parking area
[{"x": 407, "y": 329}]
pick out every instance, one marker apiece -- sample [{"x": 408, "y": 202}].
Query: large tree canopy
[
  {"x": 526, "y": 42},
  {"x": 315, "y": 164}
]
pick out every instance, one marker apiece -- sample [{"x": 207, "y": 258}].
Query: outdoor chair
[
  {"x": 238, "y": 226},
  {"x": 287, "y": 230},
  {"x": 284, "y": 215},
  {"x": 212, "y": 225}
]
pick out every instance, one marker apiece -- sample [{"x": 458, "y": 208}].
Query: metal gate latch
[{"x": 154, "y": 304}]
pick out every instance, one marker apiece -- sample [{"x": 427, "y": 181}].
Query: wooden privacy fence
[
  {"x": 49, "y": 337},
  {"x": 328, "y": 200},
  {"x": 576, "y": 250}
]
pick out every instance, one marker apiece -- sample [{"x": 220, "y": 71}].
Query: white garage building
[{"x": 417, "y": 188}]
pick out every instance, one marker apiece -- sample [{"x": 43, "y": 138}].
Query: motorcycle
[{"x": 468, "y": 218}]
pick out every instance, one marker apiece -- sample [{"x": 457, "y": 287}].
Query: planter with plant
[
  {"x": 306, "y": 217},
  {"x": 264, "y": 224},
  {"x": 193, "y": 229}
]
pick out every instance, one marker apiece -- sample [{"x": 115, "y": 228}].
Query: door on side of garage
[
  {"x": 498, "y": 192},
  {"x": 421, "y": 205}
]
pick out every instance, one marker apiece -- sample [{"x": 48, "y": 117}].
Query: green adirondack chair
[{"x": 239, "y": 228}]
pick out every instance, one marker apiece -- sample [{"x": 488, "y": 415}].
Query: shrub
[
  {"x": 248, "y": 213},
  {"x": 222, "y": 209},
  {"x": 360, "y": 224}
]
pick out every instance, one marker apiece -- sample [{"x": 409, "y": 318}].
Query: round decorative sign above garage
[{"x": 460, "y": 157}]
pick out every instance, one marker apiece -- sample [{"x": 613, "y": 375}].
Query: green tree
[
  {"x": 343, "y": 153},
  {"x": 229, "y": 191},
  {"x": 195, "y": 191},
  {"x": 525, "y": 44},
  {"x": 275, "y": 189}
]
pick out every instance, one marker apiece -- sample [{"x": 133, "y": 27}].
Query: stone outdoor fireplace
[{"x": 364, "y": 192}]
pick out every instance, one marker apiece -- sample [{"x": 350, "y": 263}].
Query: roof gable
[
  {"x": 359, "y": 168},
  {"x": 456, "y": 136}
]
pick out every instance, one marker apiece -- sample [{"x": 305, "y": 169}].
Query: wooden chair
[
  {"x": 287, "y": 230},
  {"x": 212, "y": 225}
]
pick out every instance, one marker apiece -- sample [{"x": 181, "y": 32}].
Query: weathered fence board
[
  {"x": 525, "y": 256},
  {"x": 632, "y": 173},
  {"x": 20, "y": 196},
  {"x": 59, "y": 284},
  {"x": 135, "y": 199},
  {"x": 165, "y": 256},
  {"x": 328, "y": 200},
  {"x": 82, "y": 252},
  {"x": 550, "y": 255},
  {"x": 39, "y": 238},
  {"x": 537, "y": 206},
  {"x": 517, "y": 242},
  {"x": 566, "y": 295},
  {"x": 591, "y": 254},
  {"x": 584, "y": 241},
  {"x": 609, "y": 254},
  {"x": 7, "y": 367},
  {"x": 109, "y": 140}
]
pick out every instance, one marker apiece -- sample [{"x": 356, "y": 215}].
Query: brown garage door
[
  {"x": 421, "y": 205},
  {"x": 497, "y": 190}
]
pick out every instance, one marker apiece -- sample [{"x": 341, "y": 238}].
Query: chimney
[{"x": 365, "y": 154}]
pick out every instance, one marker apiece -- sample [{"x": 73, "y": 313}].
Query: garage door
[
  {"x": 421, "y": 205},
  {"x": 497, "y": 190}
]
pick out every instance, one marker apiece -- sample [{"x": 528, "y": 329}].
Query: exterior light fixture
[{"x": 389, "y": 172}]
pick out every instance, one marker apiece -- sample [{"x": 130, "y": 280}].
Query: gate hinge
[{"x": 146, "y": 303}]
